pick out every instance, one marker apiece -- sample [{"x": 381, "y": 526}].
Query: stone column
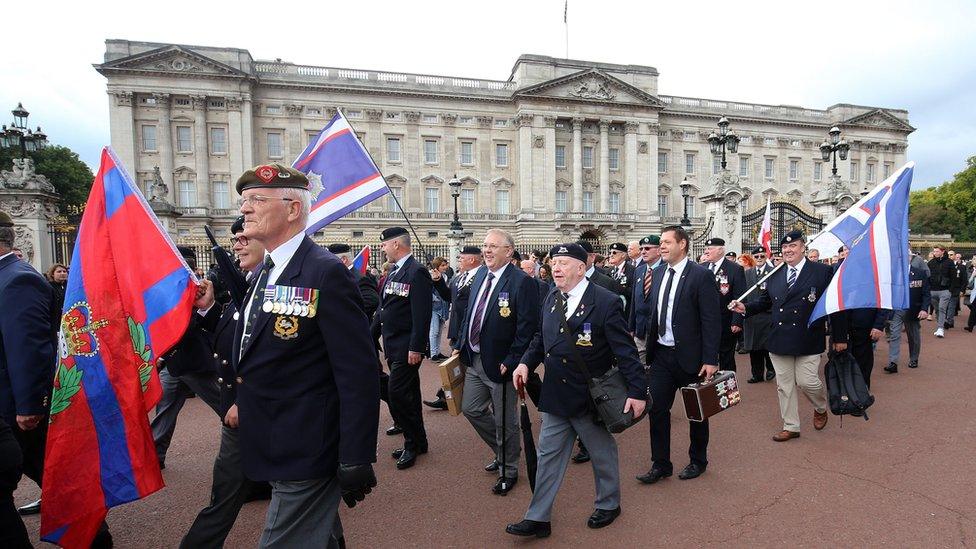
[
  {"x": 524, "y": 122},
  {"x": 631, "y": 201},
  {"x": 164, "y": 142},
  {"x": 295, "y": 139},
  {"x": 578, "y": 164},
  {"x": 31, "y": 202},
  {"x": 124, "y": 135},
  {"x": 549, "y": 194},
  {"x": 247, "y": 133},
  {"x": 201, "y": 150},
  {"x": 650, "y": 205},
  {"x": 604, "y": 166},
  {"x": 412, "y": 162},
  {"x": 235, "y": 138}
]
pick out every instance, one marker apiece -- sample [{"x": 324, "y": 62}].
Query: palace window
[
  {"x": 188, "y": 193},
  {"x": 716, "y": 163},
  {"x": 887, "y": 169},
  {"x": 184, "y": 139},
  {"x": 794, "y": 170},
  {"x": 561, "y": 206},
  {"x": 817, "y": 171},
  {"x": 662, "y": 205},
  {"x": 430, "y": 151},
  {"x": 430, "y": 118},
  {"x": 432, "y": 199},
  {"x": 855, "y": 168},
  {"x": 467, "y": 153},
  {"x": 614, "y": 159},
  {"x": 275, "y": 149},
  {"x": 689, "y": 163},
  {"x": 560, "y": 156},
  {"x": 587, "y": 202},
  {"x": 744, "y": 166},
  {"x": 871, "y": 172},
  {"x": 221, "y": 198},
  {"x": 392, "y": 149},
  {"x": 396, "y": 195},
  {"x": 273, "y": 109},
  {"x": 690, "y": 205},
  {"x": 662, "y": 162},
  {"x": 770, "y": 168},
  {"x": 218, "y": 140},
  {"x": 615, "y": 203},
  {"x": 587, "y": 157},
  {"x": 149, "y": 138},
  {"x": 501, "y": 201},
  {"x": 467, "y": 201},
  {"x": 501, "y": 155}
]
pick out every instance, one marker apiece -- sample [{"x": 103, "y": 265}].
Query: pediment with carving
[
  {"x": 590, "y": 86},
  {"x": 396, "y": 179},
  {"x": 171, "y": 60},
  {"x": 879, "y": 118}
]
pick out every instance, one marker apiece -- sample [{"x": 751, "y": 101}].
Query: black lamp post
[
  {"x": 19, "y": 135},
  {"x": 834, "y": 147},
  {"x": 685, "y": 222},
  {"x": 455, "y": 184},
  {"x": 725, "y": 138}
]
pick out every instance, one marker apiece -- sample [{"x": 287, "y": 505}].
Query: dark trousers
[
  {"x": 726, "y": 353},
  {"x": 32, "y": 447},
  {"x": 759, "y": 360},
  {"x": 227, "y": 495},
  {"x": 862, "y": 348},
  {"x": 13, "y": 534},
  {"x": 665, "y": 378},
  {"x": 176, "y": 389},
  {"x": 972, "y": 314},
  {"x": 405, "y": 404}
]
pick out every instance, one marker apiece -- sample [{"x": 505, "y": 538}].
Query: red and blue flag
[
  {"x": 361, "y": 261},
  {"x": 128, "y": 301},
  {"x": 342, "y": 175},
  {"x": 875, "y": 231}
]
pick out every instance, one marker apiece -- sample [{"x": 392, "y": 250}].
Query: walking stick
[{"x": 504, "y": 483}]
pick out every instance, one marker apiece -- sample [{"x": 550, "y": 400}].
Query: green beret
[
  {"x": 5, "y": 220},
  {"x": 653, "y": 240},
  {"x": 272, "y": 175}
]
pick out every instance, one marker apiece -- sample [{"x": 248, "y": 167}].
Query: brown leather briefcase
[{"x": 704, "y": 400}]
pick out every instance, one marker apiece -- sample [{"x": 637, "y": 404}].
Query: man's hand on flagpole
[
  {"x": 738, "y": 307},
  {"x": 205, "y": 295}
]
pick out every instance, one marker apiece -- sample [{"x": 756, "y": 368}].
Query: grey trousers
[
  {"x": 302, "y": 513},
  {"x": 556, "y": 441},
  {"x": 175, "y": 391},
  {"x": 940, "y": 300},
  {"x": 479, "y": 393},
  {"x": 911, "y": 327},
  {"x": 641, "y": 343}
]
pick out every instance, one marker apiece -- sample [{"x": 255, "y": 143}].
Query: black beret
[
  {"x": 574, "y": 250},
  {"x": 187, "y": 252},
  {"x": 516, "y": 255},
  {"x": 5, "y": 220},
  {"x": 652, "y": 240},
  {"x": 758, "y": 250},
  {"x": 238, "y": 225},
  {"x": 778, "y": 254},
  {"x": 715, "y": 242},
  {"x": 731, "y": 254},
  {"x": 272, "y": 175},
  {"x": 470, "y": 250},
  {"x": 792, "y": 236},
  {"x": 618, "y": 246},
  {"x": 587, "y": 247},
  {"x": 338, "y": 248},
  {"x": 392, "y": 232}
]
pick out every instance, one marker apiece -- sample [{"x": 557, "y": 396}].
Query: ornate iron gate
[{"x": 784, "y": 217}]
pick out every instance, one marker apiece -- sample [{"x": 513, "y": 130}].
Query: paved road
[{"x": 903, "y": 479}]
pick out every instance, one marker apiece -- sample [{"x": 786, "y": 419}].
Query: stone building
[{"x": 560, "y": 149}]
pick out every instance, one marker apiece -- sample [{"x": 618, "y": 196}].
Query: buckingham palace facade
[{"x": 560, "y": 149}]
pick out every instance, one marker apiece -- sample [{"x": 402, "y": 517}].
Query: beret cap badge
[{"x": 266, "y": 173}]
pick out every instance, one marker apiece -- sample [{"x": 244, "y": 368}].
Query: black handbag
[{"x": 608, "y": 393}]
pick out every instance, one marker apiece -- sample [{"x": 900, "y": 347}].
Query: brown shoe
[
  {"x": 819, "y": 419},
  {"x": 785, "y": 435}
]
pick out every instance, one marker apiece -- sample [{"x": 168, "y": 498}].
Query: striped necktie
[
  {"x": 647, "y": 281},
  {"x": 792, "y": 278},
  {"x": 256, "y": 298}
]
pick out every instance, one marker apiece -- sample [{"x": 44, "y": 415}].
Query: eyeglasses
[
  {"x": 242, "y": 240},
  {"x": 494, "y": 246},
  {"x": 647, "y": 248},
  {"x": 258, "y": 198}
]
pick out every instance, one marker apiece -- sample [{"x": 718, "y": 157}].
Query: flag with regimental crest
[
  {"x": 875, "y": 231},
  {"x": 342, "y": 175},
  {"x": 128, "y": 301}
]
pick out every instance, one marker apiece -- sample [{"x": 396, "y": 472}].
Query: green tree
[
  {"x": 949, "y": 208},
  {"x": 70, "y": 176}
]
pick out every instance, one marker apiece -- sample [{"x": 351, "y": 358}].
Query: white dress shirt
[
  {"x": 280, "y": 256},
  {"x": 478, "y": 297},
  {"x": 668, "y": 337},
  {"x": 575, "y": 295},
  {"x": 798, "y": 268}
]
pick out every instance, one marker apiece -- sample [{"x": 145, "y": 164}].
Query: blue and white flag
[
  {"x": 875, "y": 231},
  {"x": 342, "y": 175}
]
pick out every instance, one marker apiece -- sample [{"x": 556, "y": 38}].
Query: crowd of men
[{"x": 315, "y": 340}]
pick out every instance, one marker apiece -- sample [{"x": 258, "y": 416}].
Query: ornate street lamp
[
  {"x": 19, "y": 135},
  {"x": 685, "y": 222},
  {"x": 833, "y": 148},
  {"x": 724, "y": 139},
  {"x": 456, "y": 233}
]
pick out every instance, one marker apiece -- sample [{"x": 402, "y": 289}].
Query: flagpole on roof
[{"x": 566, "y": 24}]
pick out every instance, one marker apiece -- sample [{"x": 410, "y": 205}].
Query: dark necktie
[
  {"x": 389, "y": 277},
  {"x": 662, "y": 327},
  {"x": 479, "y": 312},
  {"x": 564, "y": 309},
  {"x": 256, "y": 296}
]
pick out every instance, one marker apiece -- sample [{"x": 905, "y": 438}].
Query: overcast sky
[{"x": 913, "y": 55}]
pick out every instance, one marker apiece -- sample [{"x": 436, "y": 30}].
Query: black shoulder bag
[{"x": 608, "y": 392}]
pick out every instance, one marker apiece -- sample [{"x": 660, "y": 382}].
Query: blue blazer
[
  {"x": 404, "y": 320},
  {"x": 640, "y": 303},
  {"x": 696, "y": 321},
  {"x": 505, "y": 335},
  {"x": 599, "y": 317},
  {"x": 790, "y": 310},
  {"x": 307, "y": 389},
  {"x": 27, "y": 353}
]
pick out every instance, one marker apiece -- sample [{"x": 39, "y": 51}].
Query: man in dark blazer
[
  {"x": 650, "y": 250},
  {"x": 795, "y": 348},
  {"x": 730, "y": 280},
  {"x": 307, "y": 390},
  {"x": 365, "y": 282},
  {"x": 501, "y": 320},
  {"x": 27, "y": 354},
  {"x": 404, "y": 322},
  {"x": 621, "y": 271},
  {"x": 468, "y": 262},
  {"x": 755, "y": 328},
  {"x": 598, "y": 331},
  {"x": 864, "y": 328},
  {"x": 683, "y": 334}
]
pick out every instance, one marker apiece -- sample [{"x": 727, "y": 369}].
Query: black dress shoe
[
  {"x": 438, "y": 357},
  {"x": 504, "y": 485},
  {"x": 582, "y": 456},
  {"x": 530, "y": 528},
  {"x": 770, "y": 375},
  {"x": 693, "y": 470},
  {"x": 393, "y": 431},
  {"x": 399, "y": 452},
  {"x": 968, "y": 329},
  {"x": 439, "y": 404},
  {"x": 603, "y": 517},
  {"x": 30, "y": 508},
  {"x": 654, "y": 475},
  {"x": 493, "y": 466},
  {"x": 913, "y": 364},
  {"x": 892, "y": 368},
  {"x": 753, "y": 380},
  {"x": 406, "y": 459}
]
